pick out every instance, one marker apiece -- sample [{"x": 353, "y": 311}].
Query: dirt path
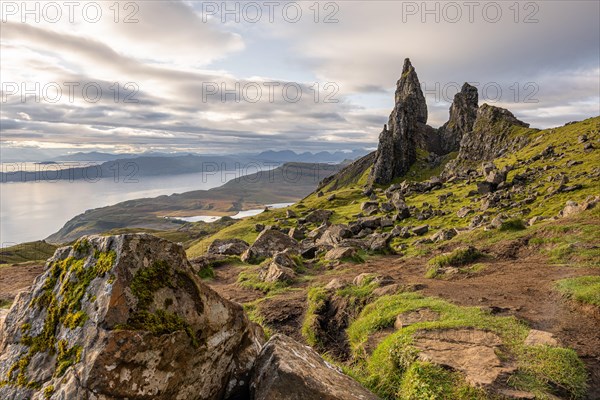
[{"x": 16, "y": 278}]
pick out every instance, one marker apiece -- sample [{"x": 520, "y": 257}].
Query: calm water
[
  {"x": 33, "y": 210},
  {"x": 240, "y": 214}
]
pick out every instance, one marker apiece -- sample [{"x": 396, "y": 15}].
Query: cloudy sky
[{"x": 149, "y": 75}]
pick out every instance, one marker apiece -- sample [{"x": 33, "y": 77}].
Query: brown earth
[
  {"x": 516, "y": 281},
  {"x": 16, "y": 278}
]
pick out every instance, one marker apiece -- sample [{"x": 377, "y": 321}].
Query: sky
[{"x": 229, "y": 77}]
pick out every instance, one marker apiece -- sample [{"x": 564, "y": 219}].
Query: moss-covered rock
[{"x": 124, "y": 317}]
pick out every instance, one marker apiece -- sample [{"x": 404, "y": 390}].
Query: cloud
[{"x": 185, "y": 72}]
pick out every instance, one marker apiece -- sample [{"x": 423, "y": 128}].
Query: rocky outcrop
[
  {"x": 491, "y": 136},
  {"x": 397, "y": 149},
  {"x": 288, "y": 370},
  {"x": 125, "y": 317},
  {"x": 463, "y": 113}
]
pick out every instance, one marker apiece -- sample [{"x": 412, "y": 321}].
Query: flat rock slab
[
  {"x": 469, "y": 351},
  {"x": 538, "y": 338},
  {"x": 415, "y": 316}
]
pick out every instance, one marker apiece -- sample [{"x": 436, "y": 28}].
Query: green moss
[
  {"x": 105, "y": 261},
  {"x": 67, "y": 356},
  {"x": 82, "y": 246},
  {"x": 73, "y": 320},
  {"x": 585, "y": 289},
  {"x": 390, "y": 371},
  {"x": 249, "y": 279},
  {"x": 424, "y": 380},
  {"x": 148, "y": 280},
  {"x": 48, "y": 392},
  {"x": 62, "y": 293},
  {"x": 144, "y": 285},
  {"x": 317, "y": 298},
  {"x": 456, "y": 258},
  {"x": 515, "y": 224}
]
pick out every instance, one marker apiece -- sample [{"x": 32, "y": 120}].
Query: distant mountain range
[{"x": 131, "y": 166}]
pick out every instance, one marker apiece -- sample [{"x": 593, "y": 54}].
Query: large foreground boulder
[
  {"x": 125, "y": 317},
  {"x": 288, "y": 370}
]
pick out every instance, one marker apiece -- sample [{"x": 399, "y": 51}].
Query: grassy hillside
[
  {"x": 31, "y": 251},
  {"x": 582, "y": 169}
]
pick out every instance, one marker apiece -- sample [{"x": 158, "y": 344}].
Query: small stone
[{"x": 420, "y": 230}]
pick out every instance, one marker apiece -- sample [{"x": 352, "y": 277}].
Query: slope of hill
[
  {"x": 464, "y": 274},
  {"x": 284, "y": 184}
]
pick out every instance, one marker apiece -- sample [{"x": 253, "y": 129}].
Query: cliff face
[
  {"x": 476, "y": 133},
  {"x": 397, "y": 149},
  {"x": 491, "y": 136},
  {"x": 463, "y": 114}
]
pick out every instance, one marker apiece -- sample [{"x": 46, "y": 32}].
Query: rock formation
[
  {"x": 288, "y": 370},
  {"x": 490, "y": 137},
  {"x": 463, "y": 113},
  {"x": 397, "y": 149},
  {"x": 125, "y": 317}
]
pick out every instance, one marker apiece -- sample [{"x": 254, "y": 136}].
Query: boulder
[
  {"x": 463, "y": 212},
  {"x": 276, "y": 272},
  {"x": 492, "y": 174},
  {"x": 335, "y": 284},
  {"x": 387, "y": 207},
  {"x": 399, "y": 204},
  {"x": 380, "y": 242},
  {"x": 233, "y": 247},
  {"x": 290, "y": 214},
  {"x": 370, "y": 207},
  {"x": 365, "y": 278},
  {"x": 125, "y": 316},
  {"x": 319, "y": 216},
  {"x": 444, "y": 234},
  {"x": 485, "y": 187},
  {"x": 297, "y": 233},
  {"x": 288, "y": 370},
  {"x": 370, "y": 222},
  {"x": 335, "y": 234},
  {"x": 420, "y": 230},
  {"x": 338, "y": 253},
  {"x": 573, "y": 208},
  {"x": 267, "y": 244}
]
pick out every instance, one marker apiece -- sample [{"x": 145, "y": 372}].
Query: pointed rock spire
[
  {"x": 463, "y": 113},
  {"x": 396, "y": 151}
]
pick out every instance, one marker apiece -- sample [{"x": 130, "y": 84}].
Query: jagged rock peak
[
  {"x": 409, "y": 93},
  {"x": 492, "y": 135},
  {"x": 463, "y": 113},
  {"x": 396, "y": 151}
]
